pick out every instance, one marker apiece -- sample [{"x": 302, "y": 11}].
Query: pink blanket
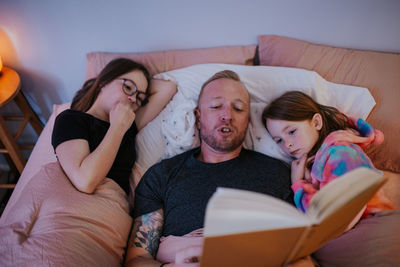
[{"x": 52, "y": 223}]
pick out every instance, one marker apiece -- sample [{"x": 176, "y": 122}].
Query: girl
[
  {"x": 96, "y": 137},
  {"x": 323, "y": 142}
]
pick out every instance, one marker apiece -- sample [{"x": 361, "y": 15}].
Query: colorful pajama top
[{"x": 340, "y": 153}]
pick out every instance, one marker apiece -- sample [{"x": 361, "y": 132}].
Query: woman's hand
[{"x": 122, "y": 116}]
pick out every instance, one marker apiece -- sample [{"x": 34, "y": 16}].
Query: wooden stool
[{"x": 10, "y": 90}]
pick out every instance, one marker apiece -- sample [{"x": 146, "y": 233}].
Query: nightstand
[{"x": 10, "y": 91}]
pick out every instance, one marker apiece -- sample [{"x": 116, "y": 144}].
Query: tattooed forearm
[{"x": 146, "y": 232}]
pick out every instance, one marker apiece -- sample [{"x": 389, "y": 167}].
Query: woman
[{"x": 96, "y": 137}]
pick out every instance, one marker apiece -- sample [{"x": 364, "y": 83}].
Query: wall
[{"x": 46, "y": 41}]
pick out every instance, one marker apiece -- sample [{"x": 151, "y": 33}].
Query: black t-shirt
[
  {"x": 182, "y": 186},
  {"x": 72, "y": 124}
]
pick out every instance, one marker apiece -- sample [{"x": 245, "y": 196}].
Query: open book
[{"x": 244, "y": 228}]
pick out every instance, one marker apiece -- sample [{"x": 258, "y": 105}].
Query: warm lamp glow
[
  {"x": 8, "y": 50},
  {"x": 1, "y": 64}
]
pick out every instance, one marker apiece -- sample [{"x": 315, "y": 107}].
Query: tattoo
[{"x": 146, "y": 232}]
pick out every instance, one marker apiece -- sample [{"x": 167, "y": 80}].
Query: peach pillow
[
  {"x": 162, "y": 61},
  {"x": 378, "y": 71}
]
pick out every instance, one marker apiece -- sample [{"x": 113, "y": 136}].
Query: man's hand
[
  {"x": 303, "y": 262},
  {"x": 189, "y": 256}
]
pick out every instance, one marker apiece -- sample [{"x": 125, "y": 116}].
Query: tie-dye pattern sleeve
[{"x": 334, "y": 162}]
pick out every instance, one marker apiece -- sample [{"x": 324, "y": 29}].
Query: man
[{"x": 171, "y": 198}]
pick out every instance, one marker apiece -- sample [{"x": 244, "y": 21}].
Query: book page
[
  {"x": 232, "y": 211},
  {"x": 340, "y": 191},
  {"x": 244, "y": 228},
  {"x": 359, "y": 187}
]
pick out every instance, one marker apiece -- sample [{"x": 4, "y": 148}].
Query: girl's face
[
  {"x": 295, "y": 138},
  {"x": 118, "y": 89}
]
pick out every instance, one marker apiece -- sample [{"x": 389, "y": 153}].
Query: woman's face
[
  {"x": 129, "y": 87},
  {"x": 295, "y": 138}
]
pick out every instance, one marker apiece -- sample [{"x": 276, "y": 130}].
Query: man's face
[{"x": 223, "y": 115}]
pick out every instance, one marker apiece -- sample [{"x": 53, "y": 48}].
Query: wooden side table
[{"x": 10, "y": 91}]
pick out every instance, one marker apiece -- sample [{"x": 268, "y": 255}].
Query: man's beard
[{"x": 225, "y": 145}]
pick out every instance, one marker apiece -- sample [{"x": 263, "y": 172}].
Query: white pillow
[{"x": 173, "y": 130}]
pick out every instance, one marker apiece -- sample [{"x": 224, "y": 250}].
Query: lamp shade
[{"x": 1, "y": 64}]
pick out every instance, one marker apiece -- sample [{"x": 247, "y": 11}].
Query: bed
[{"x": 48, "y": 222}]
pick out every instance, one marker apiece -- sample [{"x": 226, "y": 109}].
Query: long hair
[
  {"x": 86, "y": 96},
  {"x": 297, "y": 106}
]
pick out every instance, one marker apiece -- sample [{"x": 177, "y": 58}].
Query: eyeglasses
[{"x": 129, "y": 88}]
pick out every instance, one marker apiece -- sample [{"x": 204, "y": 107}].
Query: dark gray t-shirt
[{"x": 182, "y": 186}]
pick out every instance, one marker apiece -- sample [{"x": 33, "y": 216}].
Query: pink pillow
[
  {"x": 162, "y": 61},
  {"x": 377, "y": 71}
]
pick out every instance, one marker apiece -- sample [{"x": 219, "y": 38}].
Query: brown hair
[
  {"x": 86, "y": 96},
  {"x": 297, "y": 106},
  {"x": 225, "y": 74}
]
